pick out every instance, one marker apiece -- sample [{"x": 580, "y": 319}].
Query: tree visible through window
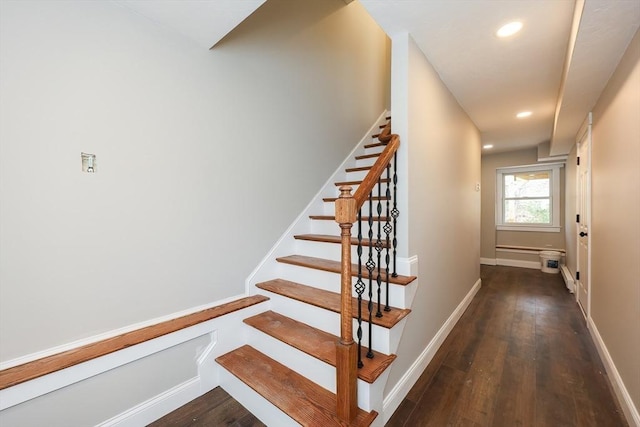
[{"x": 528, "y": 198}]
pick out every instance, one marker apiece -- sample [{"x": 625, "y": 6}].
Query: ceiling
[
  {"x": 493, "y": 79},
  {"x": 555, "y": 67}
]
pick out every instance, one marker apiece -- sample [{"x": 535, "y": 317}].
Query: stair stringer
[{"x": 267, "y": 268}]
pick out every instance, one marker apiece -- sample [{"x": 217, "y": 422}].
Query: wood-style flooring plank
[
  {"x": 215, "y": 408},
  {"x": 516, "y": 397},
  {"x": 438, "y": 401},
  {"x": 520, "y": 355},
  {"x": 477, "y": 399}
]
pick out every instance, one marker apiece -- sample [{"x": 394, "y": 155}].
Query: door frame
[{"x": 584, "y": 133}]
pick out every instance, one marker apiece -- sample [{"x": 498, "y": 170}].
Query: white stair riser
[
  {"x": 356, "y": 175},
  {"x": 329, "y": 208},
  {"x": 308, "y": 366},
  {"x": 372, "y": 150},
  {"x": 331, "y": 227},
  {"x": 313, "y": 369},
  {"x": 329, "y": 321},
  {"x": 254, "y": 402},
  {"x": 366, "y": 162},
  {"x": 325, "y": 227},
  {"x": 332, "y": 251}
]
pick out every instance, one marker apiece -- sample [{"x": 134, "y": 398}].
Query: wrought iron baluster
[
  {"x": 395, "y": 213},
  {"x": 370, "y": 267},
  {"x": 379, "y": 246},
  {"x": 387, "y": 231},
  {"x": 360, "y": 286}
]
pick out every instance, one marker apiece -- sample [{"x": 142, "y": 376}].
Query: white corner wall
[
  {"x": 440, "y": 154},
  {"x": 615, "y": 229},
  {"x": 203, "y": 159}
]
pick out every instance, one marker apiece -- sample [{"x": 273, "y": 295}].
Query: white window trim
[{"x": 554, "y": 227}]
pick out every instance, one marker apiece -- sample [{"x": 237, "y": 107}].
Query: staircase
[{"x": 300, "y": 364}]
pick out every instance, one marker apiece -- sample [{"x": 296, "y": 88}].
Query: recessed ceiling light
[
  {"x": 509, "y": 29},
  {"x": 523, "y": 114},
  {"x": 487, "y": 146}
]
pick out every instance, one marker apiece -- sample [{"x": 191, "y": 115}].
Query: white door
[{"x": 583, "y": 209}]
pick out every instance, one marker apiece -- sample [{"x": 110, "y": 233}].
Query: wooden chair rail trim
[
  {"x": 56, "y": 362},
  {"x": 529, "y": 248},
  {"x": 378, "y": 168}
]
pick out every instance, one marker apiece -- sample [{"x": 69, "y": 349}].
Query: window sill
[{"x": 534, "y": 228}]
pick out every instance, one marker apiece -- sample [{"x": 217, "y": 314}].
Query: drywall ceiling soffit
[
  {"x": 205, "y": 22},
  {"x": 605, "y": 30},
  {"x": 493, "y": 78}
]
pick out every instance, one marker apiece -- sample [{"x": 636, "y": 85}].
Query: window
[{"x": 528, "y": 198}]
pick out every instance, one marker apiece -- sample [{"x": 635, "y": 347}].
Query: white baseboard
[
  {"x": 628, "y": 408},
  {"x": 408, "y": 380},
  {"x": 158, "y": 406},
  {"x": 518, "y": 263},
  {"x": 568, "y": 278},
  {"x": 488, "y": 261}
]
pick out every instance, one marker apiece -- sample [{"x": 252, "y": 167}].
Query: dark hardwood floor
[
  {"x": 213, "y": 409},
  {"x": 521, "y": 355}
]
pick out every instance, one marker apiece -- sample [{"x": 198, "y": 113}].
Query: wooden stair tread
[
  {"x": 335, "y": 267},
  {"x": 333, "y": 199},
  {"x": 333, "y": 218},
  {"x": 358, "y": 169},
  {"x": 301, "y": 399},
  {"x": 327, "y": 238},
  {"x": 376, "y": 144},
  {"x": 341, "y": 183},
  {"x": 368, "y": 156},
  {"x": 315, "y": 342},
  {"x": 329, "y": 300}
]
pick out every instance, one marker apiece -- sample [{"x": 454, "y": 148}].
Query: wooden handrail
[
  {"x": 56, "y": 362},
  {"x": 347, "y": 206},
  {"x": 363, "y": 191}
]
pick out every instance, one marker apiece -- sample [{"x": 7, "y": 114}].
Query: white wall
[
  {"x": 204, "y": 157},
  {"x": 615, "y": 221},
  {"x": 440, "y": 149}
]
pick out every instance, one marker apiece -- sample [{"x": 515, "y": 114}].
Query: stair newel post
[{"x": 346, "y": 357}]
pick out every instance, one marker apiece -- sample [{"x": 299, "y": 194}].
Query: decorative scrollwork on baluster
[
  {"x": 379, "y": 247},
  {"x": 371, "y": 265},
  {"x": 360, "y": 287},
  {"x": 395, "y": 213},
  {"x": 387, "y": 231}
]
